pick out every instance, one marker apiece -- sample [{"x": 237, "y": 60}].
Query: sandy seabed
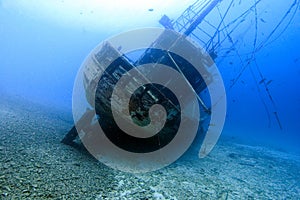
[{"x": 35, "y": 165}]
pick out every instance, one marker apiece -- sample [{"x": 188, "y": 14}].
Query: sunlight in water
[{"x": 98, "y": 14}]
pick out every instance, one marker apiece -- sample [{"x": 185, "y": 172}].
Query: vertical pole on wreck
[{"x": 201, "y": 17}]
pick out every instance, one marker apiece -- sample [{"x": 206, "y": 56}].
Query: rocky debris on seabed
[{"x": 35, "y": 165}]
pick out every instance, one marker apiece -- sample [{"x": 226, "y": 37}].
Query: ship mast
[{"x": 216, "y": 25}]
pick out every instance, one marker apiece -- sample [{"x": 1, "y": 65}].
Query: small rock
[
  {"x": 37, "y": 165},
  {"x": 12, "y": 163},
  {"x": 5, "y": 194},
  {"x": 75, "y": 177},
  {"x": 6, "y": 188},
  {"x": 157, "y": 195},
  {"x": 25, "y": 191},
  {"x": 5, "y": 166},
  {"x": 121, "y": 183},
  {"x": 76, "y": 163}
]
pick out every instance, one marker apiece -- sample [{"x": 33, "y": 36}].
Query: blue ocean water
[
  {"x": 256, "y": 49},
  {"x": 42, "y": 50}
]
